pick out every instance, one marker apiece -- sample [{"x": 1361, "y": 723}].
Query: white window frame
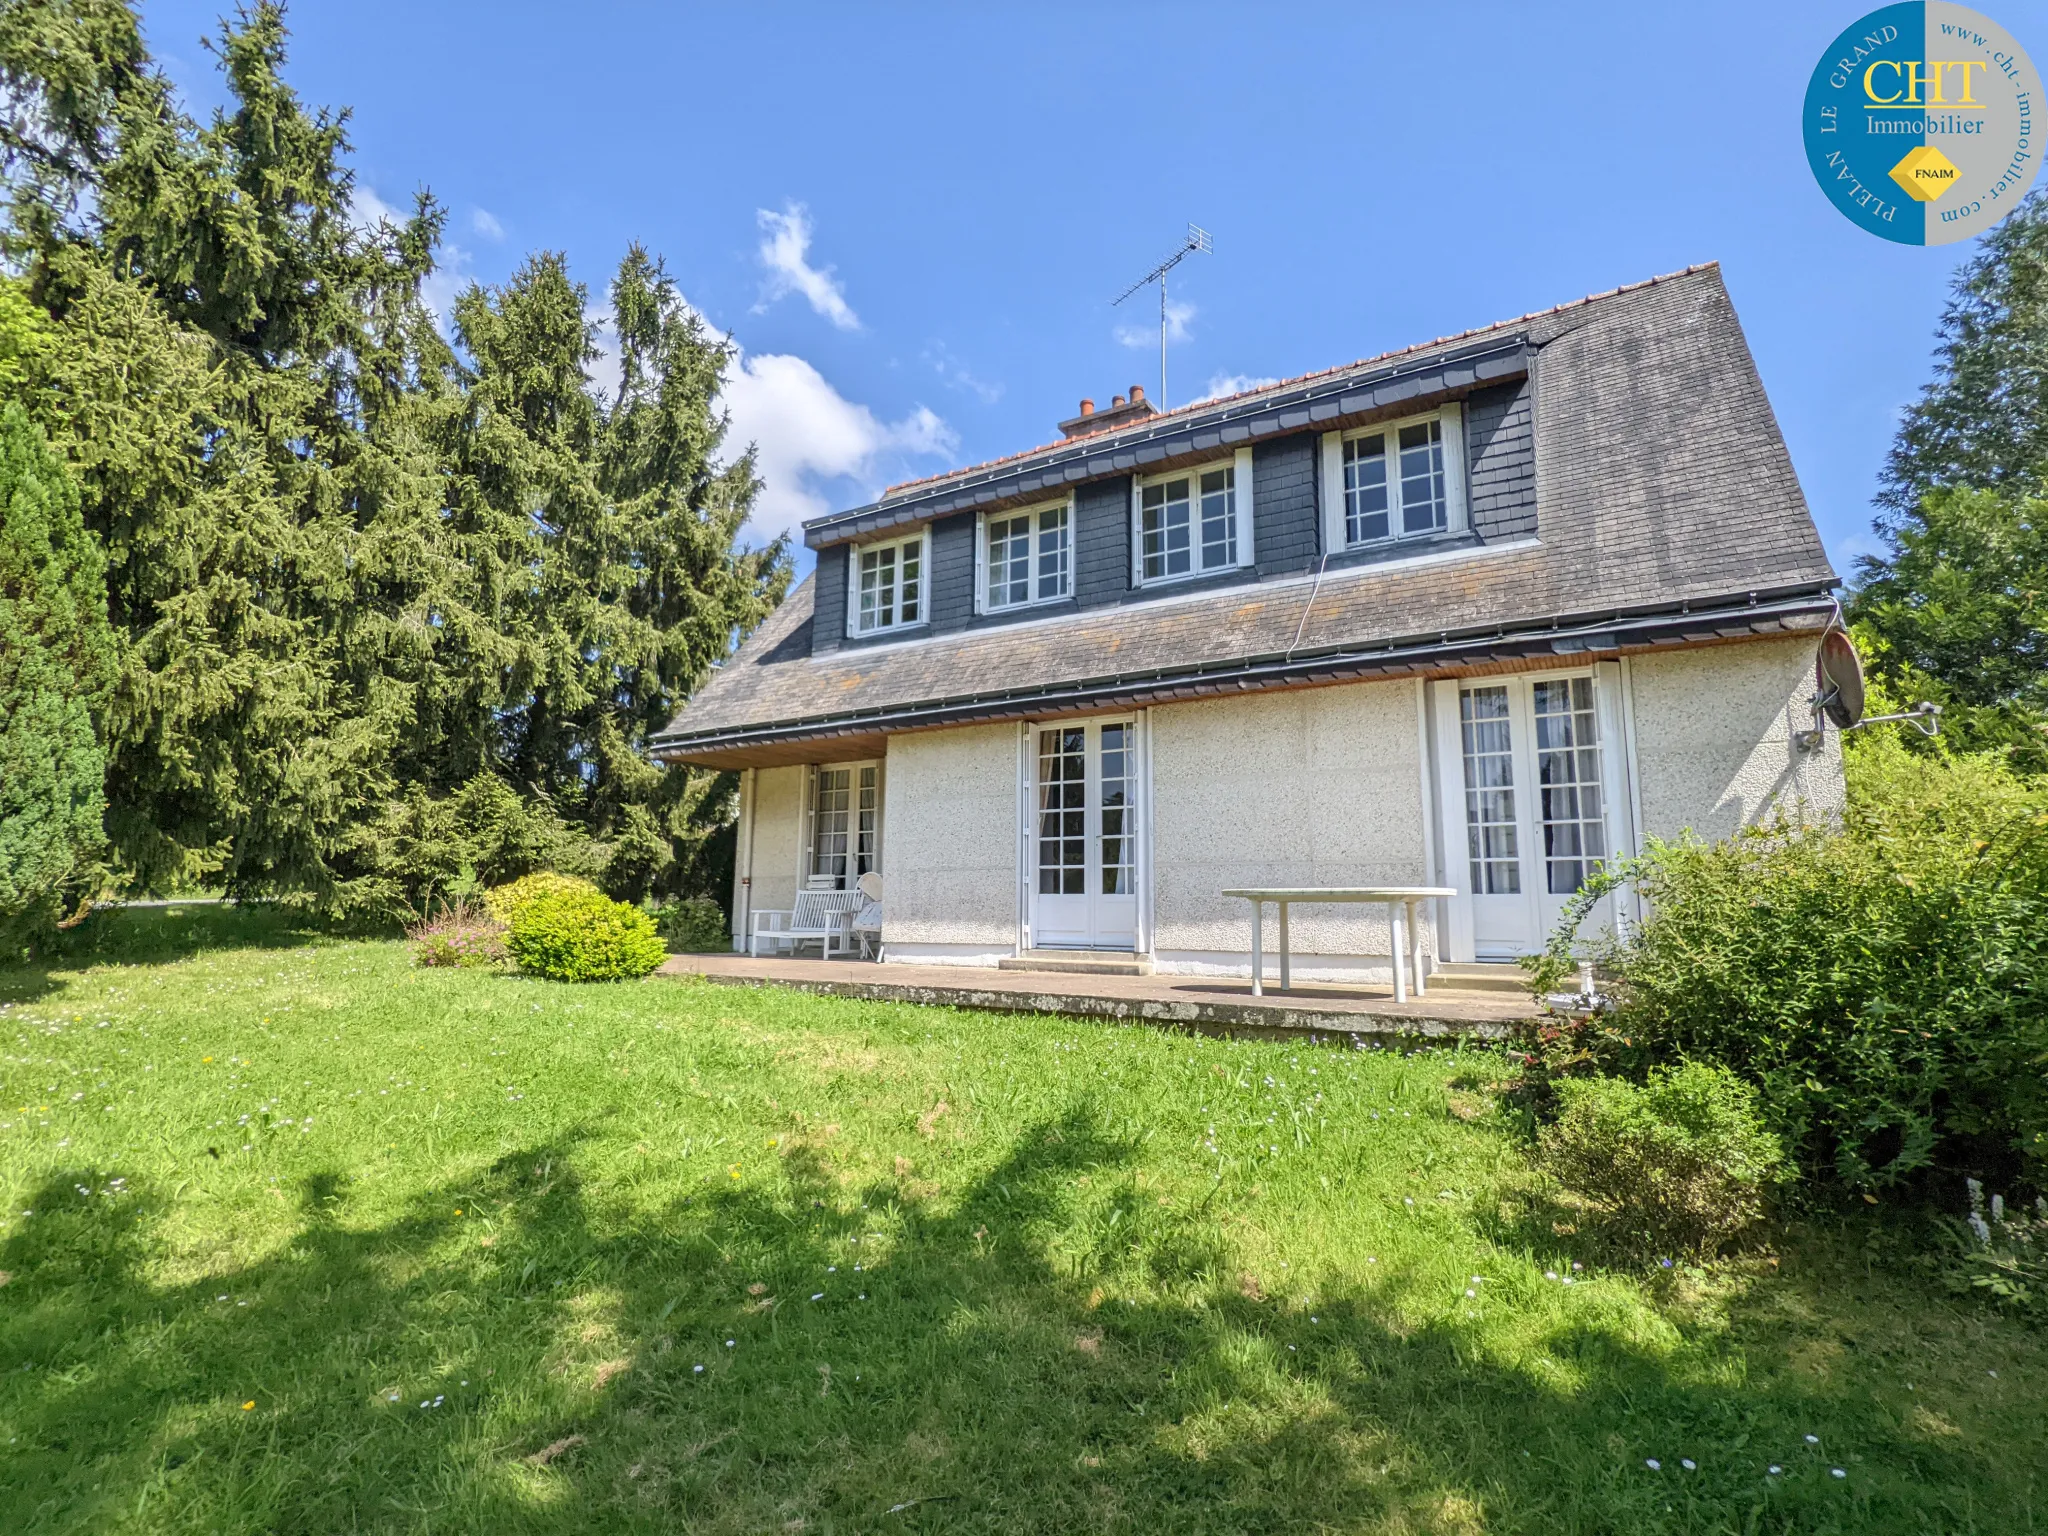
[
  {"x": 807, "y": 860},
  {"x": 1240, "y": 465},
  {"x": 1039, "y": 594},
  {"x": 1457, "y": 512},
  {"x": 921, "y": 540}
]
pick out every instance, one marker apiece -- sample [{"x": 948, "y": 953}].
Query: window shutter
[
  {"x": 1333, "y": 492},
  {"x": 1459, "y": 514},
  {"x": 1243, "y": 483},
  {"x": 803, "y": 874},
  {"x": 981, "y": 564},
  {"x": 1137, "y": 532}
]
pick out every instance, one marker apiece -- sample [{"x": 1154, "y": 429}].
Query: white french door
[
  {"x": 1083, "y": 835},
  {"x": 1533, "y": 802}
]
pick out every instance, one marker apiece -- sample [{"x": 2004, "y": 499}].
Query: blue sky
[{"x": 912, "y": 218}]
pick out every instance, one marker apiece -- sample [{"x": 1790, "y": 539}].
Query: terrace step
[
  {"x": 1479, "y": 976},
  {"x": 1079, "y": 962}
]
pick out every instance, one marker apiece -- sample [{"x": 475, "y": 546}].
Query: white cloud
[
  {"x": 606, "y": 371},
  {"x": 785, "y": 249},
  {"x": 806, "y": 434},
  {"x": 956, "y": 375},
  {"x": 1147, "y": 335},
  {"x": 451, "y": 272},
  {"x": 1221, "y": 384},
  {"x": 486, "y": 224}
]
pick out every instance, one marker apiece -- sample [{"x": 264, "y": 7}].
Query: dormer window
[
  {"x": 888, "y": 586},
  {"x": 1394, "y": 480},
  {"x": 1193, "y": 522},
  {"x": 1025, "y": 557}
]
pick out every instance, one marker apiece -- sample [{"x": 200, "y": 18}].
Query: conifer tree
[
  {"x": 1955, "y": 610},
  {"x": 56, "y": 663},
  {"x": 374, "y": 588}
]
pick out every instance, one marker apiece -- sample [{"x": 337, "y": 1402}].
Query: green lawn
[{"x": 300, "y": 1238}]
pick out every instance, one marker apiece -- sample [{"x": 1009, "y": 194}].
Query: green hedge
[
  {"x": 571, "y": 935},
  {"x": 1682, "y": 1163},
  {"x": 1883, "y": 984}
]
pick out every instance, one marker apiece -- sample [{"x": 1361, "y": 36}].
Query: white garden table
[{"x": 1401, "y": 903}]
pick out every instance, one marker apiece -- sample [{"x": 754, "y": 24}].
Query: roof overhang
[
  {"x": 1325, "y": 403},
  {"x": 1562, "y": 640}
]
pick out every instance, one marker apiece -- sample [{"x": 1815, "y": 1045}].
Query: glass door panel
[
  {"x": 1535, "y": 817},
  {"x": 1574, "y": 824},
  {"x": 1490, "y": 735},
  {"x": 1084, "y": 804}
]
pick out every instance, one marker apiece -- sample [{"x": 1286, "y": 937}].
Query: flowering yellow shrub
[{"x": 505, "y": 902}]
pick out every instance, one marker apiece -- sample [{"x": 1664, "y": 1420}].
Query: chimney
[{"x": 1123, "y": 412}]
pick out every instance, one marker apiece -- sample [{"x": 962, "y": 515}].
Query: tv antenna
[{"x": 1197, "y": 239}]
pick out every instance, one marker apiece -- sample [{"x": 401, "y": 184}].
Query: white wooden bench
[{"x": 824, "y": 918}]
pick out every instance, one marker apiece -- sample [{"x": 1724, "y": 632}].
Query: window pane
[
  {"x": 908, "y": 604},
  {"x": 1052, "y": 553},
  {"x": 1423, "y": 502},
  {"x": 1568, "y": 783},
  {"x": 877, "y": 588},
  {"x": 1365, "y": 489},
  {"x": 829, "y": 824},
  {"x": 1164, "y": 524},
  {"x": 1119, "y": 848},
  {"x": 1219, "y": 519},
  {"x": 1062, "y": 812},
  {"x": 1009, "y": 561},
  {"x": 1489, "y": 791},
  {"x": 867, "y": 849}
]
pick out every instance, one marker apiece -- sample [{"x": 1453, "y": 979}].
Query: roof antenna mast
[{"x": 1197, "y": 239}]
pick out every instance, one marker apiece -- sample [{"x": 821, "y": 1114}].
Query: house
[{"x": 1478, "y": 614}]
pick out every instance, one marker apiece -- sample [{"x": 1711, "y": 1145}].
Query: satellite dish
[{"x": 1838, "y": 674}]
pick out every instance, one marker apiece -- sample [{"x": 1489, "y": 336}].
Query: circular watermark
[{"x": 1923, "y": 123}]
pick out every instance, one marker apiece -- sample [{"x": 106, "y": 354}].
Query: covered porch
[{"x": 1484, "y": 1010}]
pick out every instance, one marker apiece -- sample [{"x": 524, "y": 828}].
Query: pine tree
[
  {"x": 1956, "y": 608},
  {"x": 213, "y": 316},
  {"x": 1983, "y": 420},
  {"x": 57, "y": 660},
  {"x": 369, "y": 583}
]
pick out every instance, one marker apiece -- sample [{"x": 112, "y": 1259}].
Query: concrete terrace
[{"x": 1218, "y": 1004}]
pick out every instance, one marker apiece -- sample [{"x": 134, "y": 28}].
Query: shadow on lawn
[
  {"x": 984, "y": 1381},
  {"x": 164, "y": 935}
]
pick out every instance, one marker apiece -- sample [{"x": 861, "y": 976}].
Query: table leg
[
  {"x": 1415, "y": 948},
  {"x": 1258, "y": 951},
  {"x": 1400, "y": 947},
  {"x": 1286, "y": 980}
]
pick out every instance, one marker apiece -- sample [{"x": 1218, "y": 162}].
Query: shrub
[
  {"x": 578, "y": 935},
  {"x": 694, "y": 925},
  {"x": 461, "y": 937},
  {"x": 1883, "y": 984},
  {"x": 1683, "y": 1161},
  {"x": 507, "y": 901}
]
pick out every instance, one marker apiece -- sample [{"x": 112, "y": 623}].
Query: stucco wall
[
  {"x": 1322, "y": 786},
  {"x": 1714, "y": 733},
  {"x": 777, "y": 832},
  {"x": 949, "y": 840}
]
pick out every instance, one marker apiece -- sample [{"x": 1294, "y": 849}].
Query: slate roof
[{"x": 1667, "y": 512}]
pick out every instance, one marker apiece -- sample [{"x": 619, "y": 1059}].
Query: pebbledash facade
[{"x": 1476, "y": 614}]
